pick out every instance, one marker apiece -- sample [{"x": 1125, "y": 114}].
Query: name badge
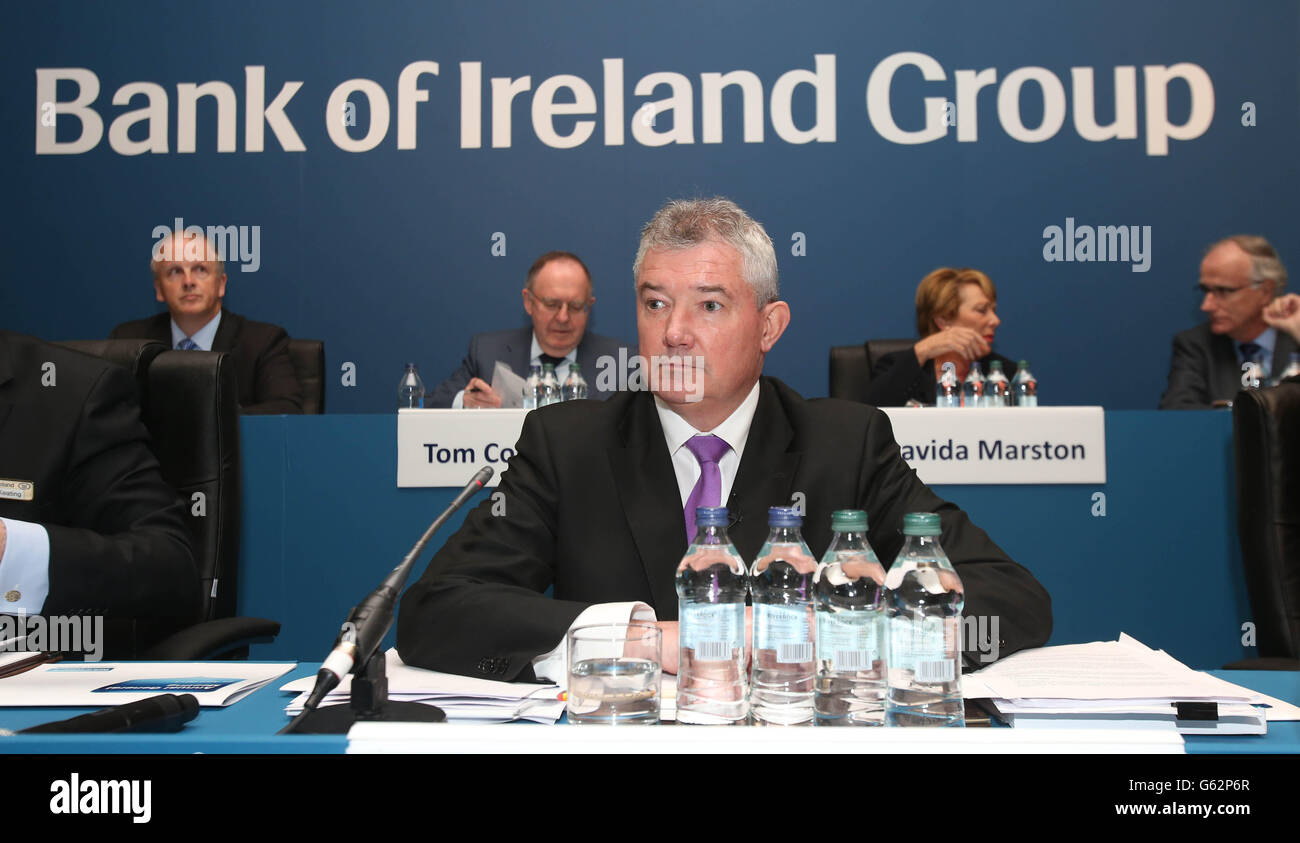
[{"x": 17, "y": 490}]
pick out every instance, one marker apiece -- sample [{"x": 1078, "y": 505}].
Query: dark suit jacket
[
  {"x": 267, "y": 383},
  {"x": 897, "y": 377},
  {"x": 1204, "y": 368},
  {"x": 513, "y": 347},
  {"x": 119, "y": 546},
  {"x": 592, "y": 508}
]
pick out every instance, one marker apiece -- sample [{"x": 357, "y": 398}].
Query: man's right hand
[
  {"x": 478, "y": 393},
  {"x": 951, "y": 340},
  {"x": 4, "y": 536}
]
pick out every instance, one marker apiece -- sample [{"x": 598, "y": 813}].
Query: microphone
[
  {"x": 369, "y": 621},
  {"x": 161, "y": 713}
]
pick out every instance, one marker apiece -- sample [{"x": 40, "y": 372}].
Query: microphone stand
[{"x": 358, "y": 643}]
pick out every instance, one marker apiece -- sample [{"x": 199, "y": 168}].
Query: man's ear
[
  {"x": 776, "y": 318},
  {"x": 528, "y": 301},
  {"x": 221, "y": 287},
  {"x": 157, "y": 289}
]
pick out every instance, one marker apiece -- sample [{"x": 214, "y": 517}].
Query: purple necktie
[{"x": 708, "y": 449}]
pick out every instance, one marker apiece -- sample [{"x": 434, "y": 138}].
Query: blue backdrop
[{"x": 392, "y": 253}]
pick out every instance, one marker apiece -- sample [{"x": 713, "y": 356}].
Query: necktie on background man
[
  {"x": 1253, "y": 352},
  {"x": 708, "y": 449},
  {"x": 552, "y": 359},
  {"x": 187, "y": 344}
]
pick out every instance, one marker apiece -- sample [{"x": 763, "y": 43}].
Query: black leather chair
[
  {"x": 309, "y": 365},
  {"x": 1266, "y": 439},
  {"x": 135, "y": 355},
  {"x": 852, "y": 365},
  {"x": 190, "y": 404}
]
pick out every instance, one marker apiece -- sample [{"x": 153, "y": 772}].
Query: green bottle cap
[
  {"x": 995, "y": 366},
  {"x": 1023, "y": 364},
  {"x": 849, "y": 520},
  {"x": 921, "y": 524},
  {"x": 548, "y": 367}
]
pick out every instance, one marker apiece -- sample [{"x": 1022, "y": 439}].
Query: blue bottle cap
[
  {"x": 783, "y": 516},
  {"x": 710, "y": 516}
]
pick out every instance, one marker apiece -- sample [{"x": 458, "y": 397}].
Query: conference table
[{"x": 250, "y": 726}]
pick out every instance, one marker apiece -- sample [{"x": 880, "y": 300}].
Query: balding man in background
[{"x": 1240, "y": 276}]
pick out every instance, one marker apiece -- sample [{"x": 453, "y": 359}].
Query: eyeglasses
[
  {"x": 553, "y": 305},
  {"x": 1220, "y": 292}
]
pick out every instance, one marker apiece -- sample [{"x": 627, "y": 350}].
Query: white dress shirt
[{"x": 734, "y": 430}]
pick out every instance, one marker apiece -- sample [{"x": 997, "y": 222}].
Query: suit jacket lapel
[
  {"x": 647, "y": 489},
  {"x": 766, "y": 474},
  {"x": 227, "y": 337},
  {"x": 1224, "y": 369},
  {"x": 518, "y": 355}
]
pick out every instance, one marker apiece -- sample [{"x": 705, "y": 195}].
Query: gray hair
[
  {"x": 684, "y": 223},
  {"x": 210, "y": 249},
  {"x": 1265, "y": 265}
]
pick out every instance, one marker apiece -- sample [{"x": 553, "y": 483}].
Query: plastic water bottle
[
  {"x": 711, "y": 656},
  {"x": 574, "y": 386},
  {"x": 947, "y": 392},
  {"x": 973, "y": 388},
  {"x": 550, "y": 391},
  {"x": 923, "y": 605},
  {"x": 781, "y": 584},
  {"x": 533, "y": 386},
  {"x": 1292, "y": 368},
  {"x": 997, "y": 390},
  {"x": 850, "y": 584},
  {"x": 1025, "y": 386},
  {"x": 410, "y": 392}
]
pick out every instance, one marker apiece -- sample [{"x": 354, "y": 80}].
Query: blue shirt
[{"x": 203, "y": 337}]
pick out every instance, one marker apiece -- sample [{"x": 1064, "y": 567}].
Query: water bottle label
[
  {"x": 713, "y": 630},
  {"x": 785, "y": 630},
  {"x": 848, "y": 640},
  {"x": 926, "y": 647}
]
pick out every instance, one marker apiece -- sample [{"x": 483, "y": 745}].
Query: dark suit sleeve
[
  {"x": 446, "y": 391},
  {"x": 894, "y": 379},
  {"x": 479, "y": 609},
  {"x": 1189, "y": 368},
  {"x": 276, "y": 389},
  {"x": 995, "y": 586},
  {"x": 128, "y": 554}
]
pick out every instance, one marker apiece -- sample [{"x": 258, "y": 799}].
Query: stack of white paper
[
  {"x": 1117, "y": 684},
  {"x": 461, "y": 698}
]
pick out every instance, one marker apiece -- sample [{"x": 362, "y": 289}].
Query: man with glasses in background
[
  {"x": 557, "y": 296},
  {"x": 1240, "y": 276}
]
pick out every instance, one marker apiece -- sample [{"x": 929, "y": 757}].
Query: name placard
[
  {"x": 952, "y": 446},
  {"x": 1004, "y": 445},
  {"x": 446, "y": 447}
]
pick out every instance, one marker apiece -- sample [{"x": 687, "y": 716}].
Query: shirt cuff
[
  {"x": 25, "y": 568},
  {"x": 458, "y": 403},
  {"x": 552, "y": 665}
]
